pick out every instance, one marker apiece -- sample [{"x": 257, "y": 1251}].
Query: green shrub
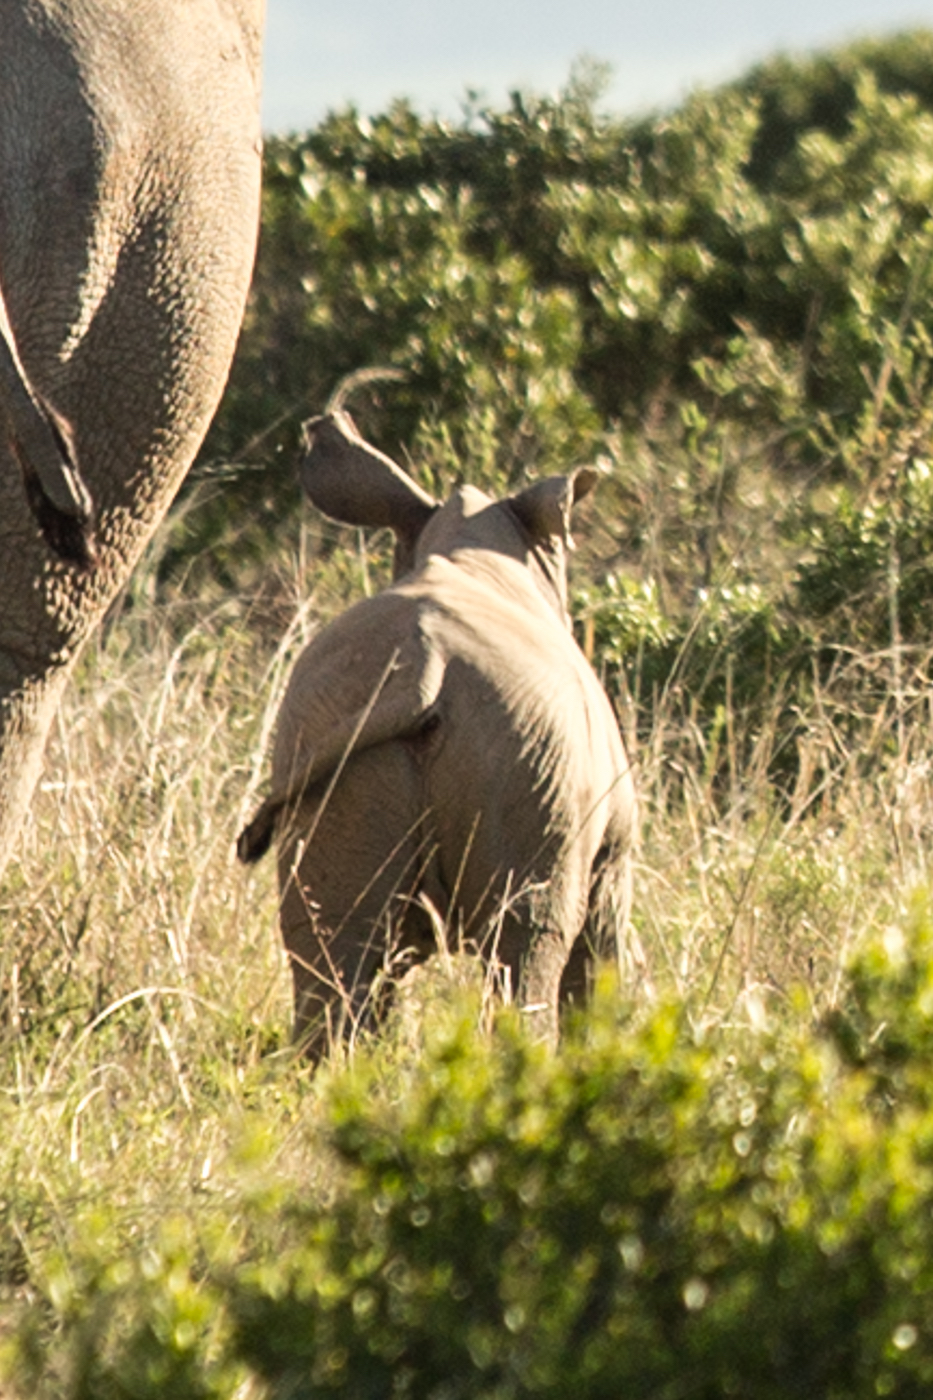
[
  {"x": 549, "y": 272},
  {"x": 645, "y": 1214}
]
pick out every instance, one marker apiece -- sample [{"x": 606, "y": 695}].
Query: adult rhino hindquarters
[
  {"x": 445, "y": 744},
  {"x": 130, "y": 165}
]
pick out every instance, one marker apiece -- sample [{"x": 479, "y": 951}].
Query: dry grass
[
  {"x": 752, "y": 900},
  {"x": 143, "y": 993},
  {"x": 144, "y": 997}
]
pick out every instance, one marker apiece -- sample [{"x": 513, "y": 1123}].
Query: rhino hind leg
[
  {"x": 350, "y": 869},
  {"x": 539, "y": 983}
]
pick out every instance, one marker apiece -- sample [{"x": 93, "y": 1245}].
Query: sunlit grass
[{"x": 147, "y": 1082}]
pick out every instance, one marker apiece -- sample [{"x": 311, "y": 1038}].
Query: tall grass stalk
[{"x": 144, "y": 997}]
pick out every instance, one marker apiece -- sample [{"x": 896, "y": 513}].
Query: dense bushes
[
  {"x": 727, "y": 304},
  {"x": 652, "y": 1213},
  {"x": 555, "y": 270}
]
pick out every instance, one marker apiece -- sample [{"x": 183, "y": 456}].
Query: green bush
[
  {"x": 549, "y": 272},
  {"x": 648, "y": 1213},
  {"x": 727, "y": 304}
]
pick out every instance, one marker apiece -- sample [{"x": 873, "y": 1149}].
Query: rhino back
[{"x": 525, "y": 770}]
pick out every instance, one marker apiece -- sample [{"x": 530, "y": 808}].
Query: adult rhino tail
[
  {"x": 69, "y": 536},
  {"x": 55, "y": 490}
]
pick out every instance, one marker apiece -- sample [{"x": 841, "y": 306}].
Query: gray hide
[
  {"x": 129, "y": 194},
  {"x": 444, "y": 748}
]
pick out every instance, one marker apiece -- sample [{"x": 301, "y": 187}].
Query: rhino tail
[{"x": 256, "y": 837}]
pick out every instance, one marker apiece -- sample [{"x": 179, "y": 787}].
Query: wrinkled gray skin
[
  {"x": 129, "y": 188},
  {"x": 445, "y": 745}
]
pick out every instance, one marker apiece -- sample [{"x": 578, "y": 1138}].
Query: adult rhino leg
[
  {"x": 127, "y": 229},
  {"x": 576, "y": 983},
  {"x": 25, "y": 719}
]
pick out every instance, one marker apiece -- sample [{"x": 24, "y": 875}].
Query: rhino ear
[
  {"x": 545, "y": 508},
  {"x": 353, "y": 482}
]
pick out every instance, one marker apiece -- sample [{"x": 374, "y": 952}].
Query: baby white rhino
[{"x": 445, "y": 759}]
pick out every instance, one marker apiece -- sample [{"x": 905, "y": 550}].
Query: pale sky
[{"x": 321, "y": 54}]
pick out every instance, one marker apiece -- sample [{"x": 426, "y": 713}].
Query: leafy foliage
[
  {"x": 561, "y": 268},
  {"x": 728, "y": 305},
  {"x": 647, "y": 1214}
]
